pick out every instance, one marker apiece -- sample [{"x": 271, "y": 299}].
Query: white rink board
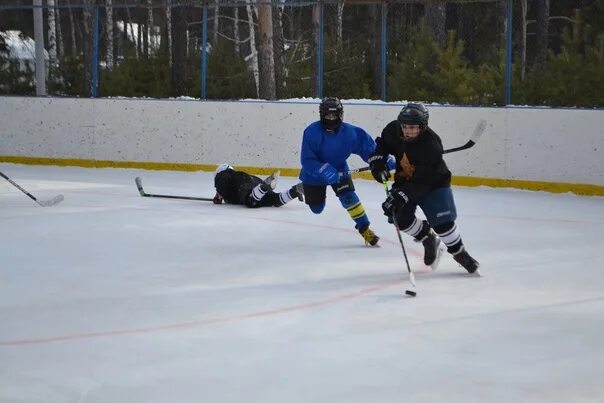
[{"x": 538, "y": 144}]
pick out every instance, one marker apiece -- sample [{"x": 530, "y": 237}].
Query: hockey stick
[
  {"x": 139, "y": 185},
  {"x": 44, "y": 203},
  {"x": 478, "y": 130},
  {"x": 411, "y": 291}
]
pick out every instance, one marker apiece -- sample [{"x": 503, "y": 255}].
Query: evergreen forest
[{"x": 451, "y": 52}]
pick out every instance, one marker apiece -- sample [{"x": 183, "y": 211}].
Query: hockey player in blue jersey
[{"x": 326, "y": 145}]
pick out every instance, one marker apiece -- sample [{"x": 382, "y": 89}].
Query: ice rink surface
[{"x": 112, "y": 297}]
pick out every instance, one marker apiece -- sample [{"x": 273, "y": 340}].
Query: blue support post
[
  {"x": 204, "y": 56},
  {"x": 384, "y": 46},
  {"x": 320, "y": 53},
  {"x": 95, "y": 53},
  {"x": 508, "y": 58}
]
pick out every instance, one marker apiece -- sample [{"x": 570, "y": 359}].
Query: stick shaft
[
  {"x": 20, "y": 188},
  {"x": 139, "y": 185},
  {"x": 478, "y": 130},
  {"x": 400, "y": 239}
]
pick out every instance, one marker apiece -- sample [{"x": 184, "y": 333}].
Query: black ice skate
[
  {"x": 271, "y": 181},
  {"x": 370, "y": 238},
  {"x": 468, "y": 262},
  {"x": 432, "y": 249},
  {"x": 298, "y": 189}
]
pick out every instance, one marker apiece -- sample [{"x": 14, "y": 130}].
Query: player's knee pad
[
  {"x": 348, "y": 199},
  {"x": 317, "y": 208},
  {"x": 343, "y": 187}
]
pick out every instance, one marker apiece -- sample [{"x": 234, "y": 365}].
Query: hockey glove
[
  {"x": 217, "y": 199},
  {"x": 397, "y": 199},
  {"x": 329, "y": 174},
  {"x": 379, "y": 169}
]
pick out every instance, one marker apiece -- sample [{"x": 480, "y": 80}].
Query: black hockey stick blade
[
  {"x": 139, "y": 185},
  {"x": 478, "y": 130}
]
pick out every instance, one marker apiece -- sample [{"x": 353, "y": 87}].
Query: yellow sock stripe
[{"x": 356, "y": 211}]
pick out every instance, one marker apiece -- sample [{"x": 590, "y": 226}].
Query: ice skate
[
  {"x": 298, "y": 190},
  {"x": 468, "y": 262},
  {"x": 370, "y": 238},
  {"x": 433, "y": 249},
  {"x": 271, "y": 180}
]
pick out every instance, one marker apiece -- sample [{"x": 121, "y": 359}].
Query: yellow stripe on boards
[
  {"x": 554, "y": 187},
  {"x": 158, "y": 166}
]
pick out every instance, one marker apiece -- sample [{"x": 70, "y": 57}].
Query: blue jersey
[{"x": 320, "y": 146}]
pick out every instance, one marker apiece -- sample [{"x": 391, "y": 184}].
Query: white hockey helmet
[{"x": 222, "y": 167}]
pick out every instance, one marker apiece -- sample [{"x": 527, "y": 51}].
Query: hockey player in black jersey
[
  {"x": 237, "y": 187},
  {"x": 422, "y": 179}
]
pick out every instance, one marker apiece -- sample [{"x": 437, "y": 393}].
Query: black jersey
[
  {"x": 235, "y": 186},
  {"x": 420, "y": 167}
]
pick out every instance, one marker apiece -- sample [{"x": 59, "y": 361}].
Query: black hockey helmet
[
  {"x": 414, "y": 114},
  {"x": 332, "y": 113},
  {"x": 222, "y": 167}
]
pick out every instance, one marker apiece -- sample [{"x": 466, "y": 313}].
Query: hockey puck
[{"x": 411, "y": 293}]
